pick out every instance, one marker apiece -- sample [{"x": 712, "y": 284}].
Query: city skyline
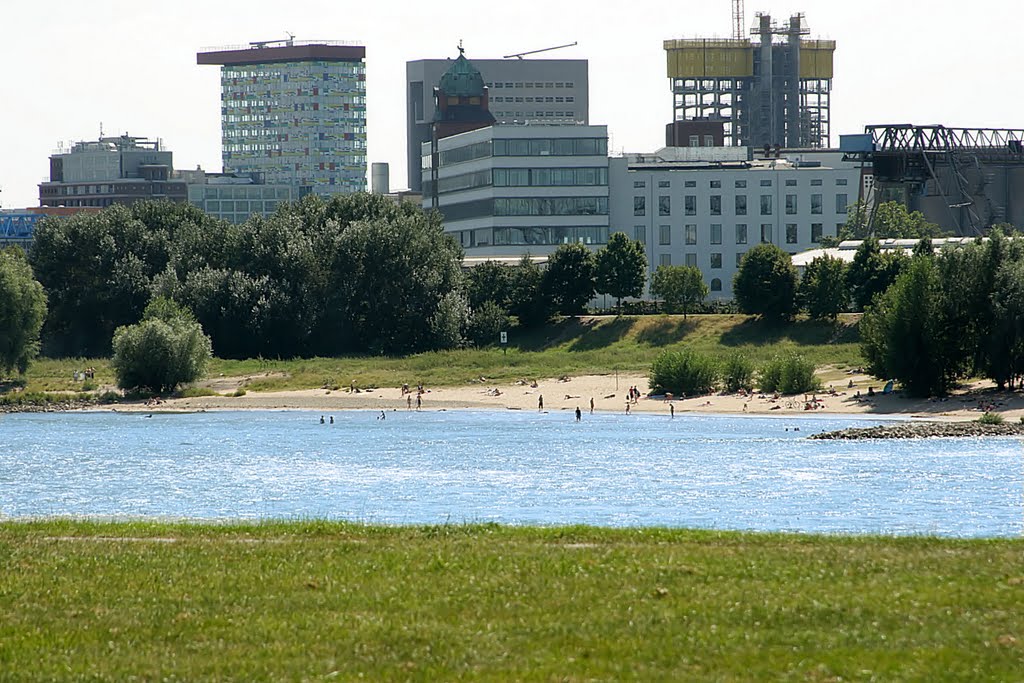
[{"x": 80, "y": 65}]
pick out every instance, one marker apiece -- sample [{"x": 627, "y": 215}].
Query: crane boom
[
  {"x": 520, "y": 55},
  {"x": 737, "y": 19}
]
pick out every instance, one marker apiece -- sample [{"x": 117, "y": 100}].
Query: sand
[{"x": 608, "y": 393}]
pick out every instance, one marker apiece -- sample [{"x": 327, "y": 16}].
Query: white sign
[{"x": 504, "y": 337}]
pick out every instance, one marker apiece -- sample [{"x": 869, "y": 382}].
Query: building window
[
  {"x": 816, "y": 232},
  {"x": 741, "y": 205},
  {"x": 716, "y": 261},
  {"x": 739, "y": 258},
  {"x": 791, "y": 182},
  {"x": 664, "y": 205},
  {"x": 790, "y": 204},
  {"x": 840, "y": 181},
  {"x": 716, "y": 233},
  {"x": 815, "y": 182},
  {"x": 665, "y": 260},
  {"x": 664, "y": 183},
  {"x": 715, "y": 204},
  {"x": 741, "y": 184},
  {"x": 741, "y": 233},
  {"x": 716, "y": 184},
  {"x": 841, "y": 203},
  {"x": 694, "y": 141},
  {"x": 766, "y": 233},
  {"x": 690, "y": 183},
  {"x": 639, "y": 206},
  {"x": 816, "y": 204},
  {"x": 690, "y": 205},
  {"x": 716, "y": 284},
  {"x": 766, "y": 183},
  {"x": 665, "y": 235},
  {"x": 637, "y": 184},
  {"x": 691, "y": 260},
  {"x": 709, "y": 140},
  {"x": 766, "y": 205},
  {"x": 640, "y": 233},
  {"x": 691, "y": 234},
  {"x": 791, "y": 233}
]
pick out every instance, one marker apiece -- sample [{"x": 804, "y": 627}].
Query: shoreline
[{"x": 566, "y": 394}]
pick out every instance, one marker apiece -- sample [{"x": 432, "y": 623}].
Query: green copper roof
[{"x": 462, "y": 79}]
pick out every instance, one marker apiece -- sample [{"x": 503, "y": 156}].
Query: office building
[
  {"x": 111, "y": 170},
  {"x": 706, "y": 207},
  {"x": 295, "y": 113},
  {"x": 233, "y": 197},
  {"x": 774, "y": 90},
  {"x": 511, "y": 190},
  {"x": 520, "y": 91}
]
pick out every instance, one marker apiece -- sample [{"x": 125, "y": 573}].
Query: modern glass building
[{"x": 295, "y": 113}]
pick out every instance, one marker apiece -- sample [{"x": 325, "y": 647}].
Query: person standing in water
[
  {"x": 591, "y": 405},
  {"x": 672, "y": 410},
  {"x": 540, "y": 403},
  {"x": 579, "y": 414}
]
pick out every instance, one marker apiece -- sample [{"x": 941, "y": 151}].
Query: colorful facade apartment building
[{"x": 294, "y": 112}]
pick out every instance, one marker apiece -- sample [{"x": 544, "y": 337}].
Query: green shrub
[
  {"x": 90, "y": 385},
  {"x": 196, "y": 392},
  {"x": 791, "y": 374},
  {"x": 239, "y": 392},
  {"x": 166, "y": 349},
  {"x": 684, "y": 372},
  {"x": 738, "y": 373},
  {"x": 486, "y": 323},
  {"x": 992, "y": 419}
]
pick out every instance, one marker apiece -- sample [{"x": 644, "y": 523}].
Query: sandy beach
[{"x": 608, "y": 393}]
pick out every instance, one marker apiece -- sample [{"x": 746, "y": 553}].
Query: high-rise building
[
  {"x": 773, "y": 91},
  {"x": 520, "y": 91},
  {"x": 294, "y": 112}
]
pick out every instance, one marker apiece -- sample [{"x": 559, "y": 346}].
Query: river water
[{"x": 708, "y": 472}]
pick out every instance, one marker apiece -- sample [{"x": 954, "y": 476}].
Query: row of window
[
  {"x": 714, "y": 207},
  {"x": 739, "y": 184},
  {"x": 533, "y": 99},
  {"x": 551, "y": 206},
  {"x": 690, "y": 233},
  {"x": 557, "y": 147},
  {"x": 523, "y": 115},
  {"x": 531, "y": 236},
  {"x": 538, "y": 84},
  {"x": 521, "y": 177}
]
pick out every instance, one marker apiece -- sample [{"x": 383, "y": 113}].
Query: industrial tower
[{"x": 770, "y": 91}]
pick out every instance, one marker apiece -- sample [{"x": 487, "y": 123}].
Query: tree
[
  {"x": 872, "y": 272},
  {"x": 621, "y": 268},
  {"x": 1006, "y": 356},
  {"x": 22, "y": 311},
  {"x": 569, "y": 279},
  {"x": 166, "y": 349},
  {"x": 486, "y": 323},
  {"x": 902, "y": 333},
  {"x": 822, "y": 292},
  {"x": 891, "y": 220},
  {"x": 529, "y": 303},
  {"x": 765, "y": 283},
  {"x": 489, "y": 281},
  {"x": 680, "y": 287}
]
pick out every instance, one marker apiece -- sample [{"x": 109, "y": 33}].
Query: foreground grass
[
  {"x": 599, "y": 345},
  {"x": 313, "y": 600}
]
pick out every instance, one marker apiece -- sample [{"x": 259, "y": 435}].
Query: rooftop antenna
[
  {"x": 520, "y": 55},
  {"x": 462, "y": 50},
  {"x": 291, "y": 38}
]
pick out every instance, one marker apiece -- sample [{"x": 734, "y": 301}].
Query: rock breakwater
[{"x": 925, "y": 430}]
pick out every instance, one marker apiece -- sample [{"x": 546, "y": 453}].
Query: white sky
[{"x": 69, "y": 65}]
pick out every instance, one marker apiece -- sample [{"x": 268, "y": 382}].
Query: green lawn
[
  {"x": 595, "y": 345},
  {"x": 333, "y": 601}
]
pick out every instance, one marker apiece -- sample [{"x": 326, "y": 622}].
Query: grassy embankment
[
  {"x": 333, "y": 601},
  {"x": 570, "y": 347}
]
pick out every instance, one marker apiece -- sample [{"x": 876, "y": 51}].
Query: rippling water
[{"x": 513, "y": 467}]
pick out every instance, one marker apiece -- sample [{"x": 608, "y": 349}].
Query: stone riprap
[{"x": 925, "y": 430}]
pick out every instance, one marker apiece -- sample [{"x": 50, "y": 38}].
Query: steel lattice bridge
[{"x": 910, "y": 138}]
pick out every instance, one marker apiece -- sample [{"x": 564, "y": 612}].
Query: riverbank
[
  {"x": 317, "y": 600},
  {"x": 608, "y": 393}
]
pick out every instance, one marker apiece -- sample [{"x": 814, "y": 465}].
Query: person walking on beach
[
  {"x": 627, "y": 406},
  {"x": 540, "y": 402},
  {"x": 408, "y": 401},
  {"x": 419, "y": 401},
  {"x": 579, "y": 415}
]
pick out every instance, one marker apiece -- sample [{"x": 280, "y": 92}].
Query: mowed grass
[
  {"x": 573, "y": 346},
  {"x": 335, "y": 601}
]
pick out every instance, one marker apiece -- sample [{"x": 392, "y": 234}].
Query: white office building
[
  {"x": 512, "y": 190},
  {"x": 707, "y": 207}
]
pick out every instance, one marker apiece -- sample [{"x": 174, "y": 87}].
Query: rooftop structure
[
  {"x": 295, "y": 112},
  {"x": 774, "y": 90},
  {"x": 520, "y": 91}
]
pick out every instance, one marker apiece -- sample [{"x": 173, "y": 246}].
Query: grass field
[
  {"x": 332, "y": 601},
  {"x": 601, "y": 345}
]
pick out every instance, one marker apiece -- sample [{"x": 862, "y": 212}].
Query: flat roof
[{"x": 284, "y": 53}]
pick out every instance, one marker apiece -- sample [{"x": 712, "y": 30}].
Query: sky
[{"x": 74, "y": 65}]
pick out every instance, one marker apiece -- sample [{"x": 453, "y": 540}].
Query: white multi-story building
[
  {"x": 708, "y": 207},
  {"x": 512, "y": 190}
]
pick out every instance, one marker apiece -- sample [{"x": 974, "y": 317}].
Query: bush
[
  {"x": 486, "y": 323},
  {"x": 992, "y": 419},
  {"x": 159, "y": 354},
  {"x": 738, "y": 373},
  {"x": 791, "y": 374},
  {"x": 684, "y": 372}
]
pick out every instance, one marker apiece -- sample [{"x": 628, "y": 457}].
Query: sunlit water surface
[{"x": 512, "y": 467}]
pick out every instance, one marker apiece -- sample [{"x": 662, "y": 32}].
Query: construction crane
[
  {"x": 520, "y": 55},
  {"x": 737, "y": 19}
]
